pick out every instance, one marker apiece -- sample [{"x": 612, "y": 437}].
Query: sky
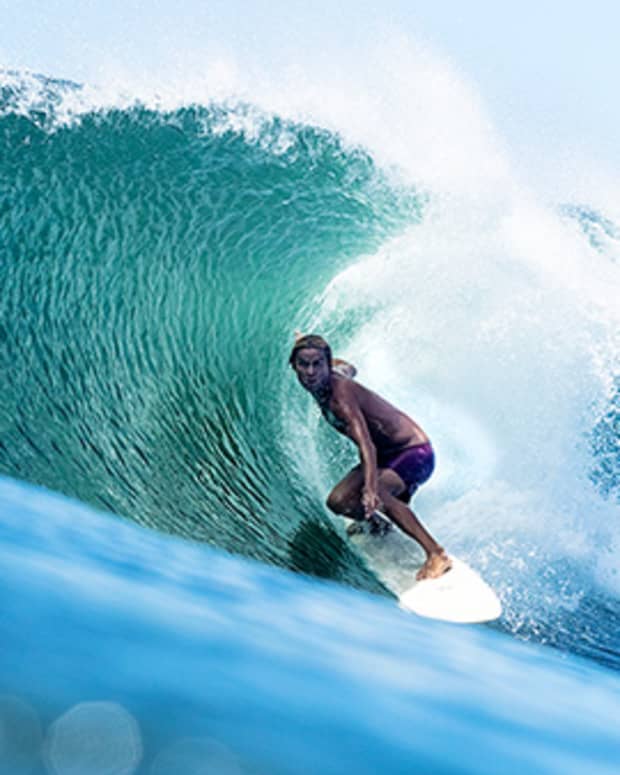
[{"x": 545, "y": 71}]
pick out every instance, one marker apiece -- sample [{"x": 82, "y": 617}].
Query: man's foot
[
  {"x": 378, "y": 526},
  {"x": 374, "y": 525},
  {"x": 435, "y": 566}
]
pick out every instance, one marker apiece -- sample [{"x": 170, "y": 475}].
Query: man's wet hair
[{"x": 313, "y": 341}]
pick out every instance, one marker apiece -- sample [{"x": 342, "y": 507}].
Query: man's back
[{"x": 390, "y": 429}]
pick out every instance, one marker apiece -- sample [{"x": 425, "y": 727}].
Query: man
[{"x": 395, "y": 454}]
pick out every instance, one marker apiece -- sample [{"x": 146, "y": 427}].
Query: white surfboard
[{"x": 459, "y": 595}]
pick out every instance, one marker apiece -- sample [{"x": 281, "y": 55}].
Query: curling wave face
[{"x": 154, "y": 265}]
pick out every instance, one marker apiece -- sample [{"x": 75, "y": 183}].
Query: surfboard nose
[{"x": 460, "y": 595}]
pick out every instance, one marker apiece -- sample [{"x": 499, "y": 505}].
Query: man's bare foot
[
  {"x": 379, "y": 526},
  {"x": 436, "y": 565},
  {"x": 375, "y": 525}
]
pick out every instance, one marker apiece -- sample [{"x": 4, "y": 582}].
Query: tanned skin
[{"x": 373, "y": 425}]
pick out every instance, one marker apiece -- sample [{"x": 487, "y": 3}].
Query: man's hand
[{"x": 370, "y": 501}]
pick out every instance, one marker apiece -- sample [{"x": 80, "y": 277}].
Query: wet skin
[{"x": 374, "y": 425}]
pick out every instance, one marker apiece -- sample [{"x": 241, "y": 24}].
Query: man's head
[{"x": 311, "y": 358}]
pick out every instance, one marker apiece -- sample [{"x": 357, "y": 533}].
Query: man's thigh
[
  {"x": 390, "y": 483},
  {"x": 346, "y": 495}
]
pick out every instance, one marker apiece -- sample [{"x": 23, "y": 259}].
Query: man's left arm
[{"x": 343, "y": 368}]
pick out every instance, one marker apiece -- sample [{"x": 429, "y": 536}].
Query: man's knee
[
  {"x": 340, "y": 503},
  {"x": 335, "y": 502},
  {"x": 391, "y": 485}
]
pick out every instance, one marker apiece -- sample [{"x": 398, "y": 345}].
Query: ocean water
[{"x": 176, "y": 597}]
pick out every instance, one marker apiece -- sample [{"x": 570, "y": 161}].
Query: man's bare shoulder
[
  {"x": 347, "y": 392},
  {"x": 354, "y": 394}
]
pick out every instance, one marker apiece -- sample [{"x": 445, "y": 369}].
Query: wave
[{"x": 156, "y": 261}]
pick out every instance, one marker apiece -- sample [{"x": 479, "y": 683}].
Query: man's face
[{"x": 312, "y": 368}]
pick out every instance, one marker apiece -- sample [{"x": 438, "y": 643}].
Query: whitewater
[{"x": 176, "y": 596}]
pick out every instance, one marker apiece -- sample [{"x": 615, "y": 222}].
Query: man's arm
[{"x": 357, "y": 430}]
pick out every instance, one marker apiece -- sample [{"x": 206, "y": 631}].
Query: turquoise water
[{"x": 154, "y": 264}]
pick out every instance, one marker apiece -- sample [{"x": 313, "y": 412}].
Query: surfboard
[{"x": 460, "y": 595}]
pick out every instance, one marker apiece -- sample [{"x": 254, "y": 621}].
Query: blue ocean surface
[
  {"x": 128, "y": 651},
  {"x": 176, "y": 598}
]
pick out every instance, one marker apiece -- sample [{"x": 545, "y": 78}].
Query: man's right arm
[{"x": 357, "y": 430}]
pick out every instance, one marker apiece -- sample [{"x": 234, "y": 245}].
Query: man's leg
[
  {"x": 346, "y": 497},
  {"x": 391, "y": 486}
]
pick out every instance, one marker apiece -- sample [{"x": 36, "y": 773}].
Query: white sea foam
[
  {"x": 411, "y": 109},
  {"x": 498, "y": 330},
  {"x": 494, "y": 322}
]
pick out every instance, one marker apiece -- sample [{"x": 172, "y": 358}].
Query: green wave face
[{"x": 153, "y": 267}]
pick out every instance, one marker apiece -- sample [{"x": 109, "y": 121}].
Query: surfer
[{"x": 396, "y": 455}]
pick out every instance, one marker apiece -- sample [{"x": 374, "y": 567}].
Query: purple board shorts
[{"x": 414, "y": 465}]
